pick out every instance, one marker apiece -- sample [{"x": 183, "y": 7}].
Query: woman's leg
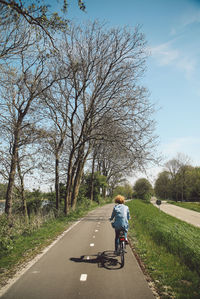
[{"x": 116, "y": 239}]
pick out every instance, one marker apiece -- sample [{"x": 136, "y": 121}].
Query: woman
[{"x": 121, "y": 215}]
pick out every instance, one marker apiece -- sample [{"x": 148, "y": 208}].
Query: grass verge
[
  {"x": 162, "y": 243},
  {"x": 194, "y": 206}
]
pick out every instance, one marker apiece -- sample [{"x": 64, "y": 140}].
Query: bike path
[
  {"x": 82, "y": 264},
  {"x": 183, "y": 214}
]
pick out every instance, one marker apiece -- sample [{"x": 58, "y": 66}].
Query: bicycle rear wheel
[{"x": 122, "y": 248}]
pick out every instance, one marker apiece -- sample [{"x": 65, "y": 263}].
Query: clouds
[
  {"x": 189, "y": 18},
  {"x": 181, "y": 49},
  {"x": 187, "y": 145},
  {"x": 167, "y": 54}
]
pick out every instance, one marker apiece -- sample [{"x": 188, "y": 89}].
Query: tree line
[
  {"x": 180, "y": 181},
  {"x": 70, "y": 101}
]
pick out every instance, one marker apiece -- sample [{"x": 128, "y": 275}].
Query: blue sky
[{"x": 172, "y": 31}]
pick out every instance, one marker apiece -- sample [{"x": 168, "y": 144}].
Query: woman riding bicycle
[{"x": 121, "y": 215}]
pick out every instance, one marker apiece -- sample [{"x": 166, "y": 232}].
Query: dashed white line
[
  {"x": 83, "y": 277},
  {"x": 36, "y": 272},
  {"x": 13, "y": 280},
  {"x": 92, "y": 245}
]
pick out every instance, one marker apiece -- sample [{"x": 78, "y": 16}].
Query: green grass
[
  {"x": 26, "y": 246},
  {"x": 195, "y": 206},
  {"x": 169, "y": 248}
]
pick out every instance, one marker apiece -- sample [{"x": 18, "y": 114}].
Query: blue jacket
[{"x": 121, "y": 215}]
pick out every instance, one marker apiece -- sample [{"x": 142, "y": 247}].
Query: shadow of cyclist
[{"x": 105, "y": 259}]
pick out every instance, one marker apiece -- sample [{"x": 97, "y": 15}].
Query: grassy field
[
  {"x": 169, "y": 248},
  {"x": 195, "y": 206}
]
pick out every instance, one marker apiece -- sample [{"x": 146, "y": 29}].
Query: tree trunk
[
  {"x": 104, "y": 192},
  {"x": 68, "y": 186},
  {"x": 76, "y": 185},
  {"x": 79, "y": 172},
  {"x": 22, "y": 191},
  {"x": 57, "y": 183},
  {"x": 92, "y": 179},
  {"x": 11, "y": 180}
]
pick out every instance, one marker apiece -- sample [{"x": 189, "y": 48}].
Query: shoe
[{"x": 126, "y": 241}]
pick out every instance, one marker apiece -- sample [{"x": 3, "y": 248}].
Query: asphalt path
[
  {"x": 183, "y": 214},
  {"x": 82, "y": 264}
]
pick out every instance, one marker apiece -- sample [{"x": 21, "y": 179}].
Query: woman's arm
[
  {"x": 128, "y": 214},
  {"x": 113, "y": 215}
]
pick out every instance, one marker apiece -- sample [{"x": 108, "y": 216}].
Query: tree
[
  {"x": 99, "y": 182},
  {"x": 163, "y": 186},
  {"x": 177, "y": 169},
  {"x": 126, "y": 190},
  {"x": 143, "y": 189},
  {"x": 194, "y": 184},
  {"x": 105, "y": 66},
  {"x": 191, "y": 191},
  {"x": 34, "y": 13},
  {"x": 21, "y": 87},
  {"x": 56, "y": 105},
  {"x": 180, "y": 181}
]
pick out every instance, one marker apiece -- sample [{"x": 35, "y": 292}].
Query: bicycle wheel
[{"x": 122, "y": 248}]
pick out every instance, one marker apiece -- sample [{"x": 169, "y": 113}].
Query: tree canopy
[
  {"x": 143, "y": 189},
  {"x": 77, "y": 107}
]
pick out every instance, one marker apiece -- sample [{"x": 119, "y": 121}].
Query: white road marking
[
  {"x": 96, "y": 230},
  {"x": 12, "y": 280},
  {"x": 83, "y": 277},
  {"x": 92, "y": 245}
]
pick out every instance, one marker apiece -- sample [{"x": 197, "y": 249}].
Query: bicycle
[{"x": 122, "y": 246}]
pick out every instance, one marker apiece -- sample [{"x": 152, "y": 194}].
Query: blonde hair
[{"x": 119, "y": 199}]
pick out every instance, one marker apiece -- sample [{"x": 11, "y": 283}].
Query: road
[
  {"x": 82, "y": 264},
  {"x": 183, "y": 214}
]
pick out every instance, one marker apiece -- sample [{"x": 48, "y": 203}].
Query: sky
[{"x": 172, "y": 32}]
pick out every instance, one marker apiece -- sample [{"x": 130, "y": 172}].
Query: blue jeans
[{"x": 117, "y": 238}]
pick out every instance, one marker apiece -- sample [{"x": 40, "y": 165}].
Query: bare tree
[
  {"x": 34, "y": 13},
  {"x": 55, "y": 102},
  {"x": 21, "y": 88},
  {"x": 105, "y": 67}
]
